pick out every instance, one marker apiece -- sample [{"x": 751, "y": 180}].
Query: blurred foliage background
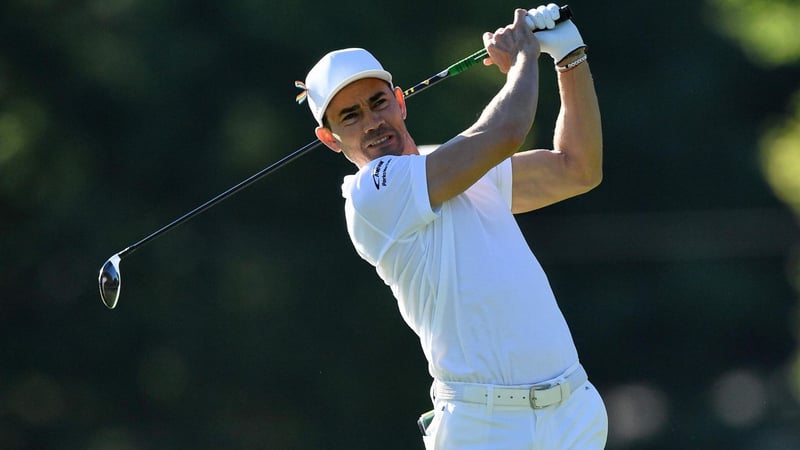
[{"x": 257, "y": 326}]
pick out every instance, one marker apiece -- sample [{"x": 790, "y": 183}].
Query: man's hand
[
  {"x": 505, "y": 44},
  {"x": 558, "y": 41}
]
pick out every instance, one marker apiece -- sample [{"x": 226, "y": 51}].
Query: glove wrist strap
[{"x": 581, "y": 56}]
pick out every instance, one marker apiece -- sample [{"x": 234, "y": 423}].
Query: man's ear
[
  {"x": 401, "y": 100},
  {"x": 326, "y": 137}
]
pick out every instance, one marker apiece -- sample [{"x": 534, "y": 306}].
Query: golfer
[{"x": 440, "y": 231}]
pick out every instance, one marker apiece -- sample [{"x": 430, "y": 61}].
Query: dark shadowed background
[{"x": 256, "y": 325}]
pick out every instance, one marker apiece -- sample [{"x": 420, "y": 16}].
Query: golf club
[{"x": 110, "y": 278}]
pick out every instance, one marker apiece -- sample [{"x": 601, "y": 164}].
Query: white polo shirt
[{"x": 464, "y": 277}]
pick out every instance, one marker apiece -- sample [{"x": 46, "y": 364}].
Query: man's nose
[{"x": 373, "y": 121}]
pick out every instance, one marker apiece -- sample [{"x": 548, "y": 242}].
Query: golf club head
[{"x": 109, "y": 280}]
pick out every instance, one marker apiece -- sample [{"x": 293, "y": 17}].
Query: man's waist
[{"x": 536, "y": 395}]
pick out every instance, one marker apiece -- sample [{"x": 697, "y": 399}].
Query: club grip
[{"x": 564, "y": 14}]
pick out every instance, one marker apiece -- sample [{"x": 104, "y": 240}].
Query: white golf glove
[{"x": 558, "y": 41}]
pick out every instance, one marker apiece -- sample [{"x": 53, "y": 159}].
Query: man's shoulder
[
  {"x": 427, "y": 149},
  {"x": 383, "y": 175}
]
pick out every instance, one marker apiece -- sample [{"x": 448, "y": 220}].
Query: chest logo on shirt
[{"x": 379, "y": 174}]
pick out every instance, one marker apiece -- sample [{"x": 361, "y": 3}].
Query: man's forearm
[
  {"x": 578, "y": 132},
  {"x": 514, "y": 107}
]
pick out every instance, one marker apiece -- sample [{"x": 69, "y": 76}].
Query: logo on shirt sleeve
[{"x": 379, "y": 173}]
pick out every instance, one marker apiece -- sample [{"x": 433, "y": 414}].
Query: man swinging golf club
[{"x": 440, "y": 231}]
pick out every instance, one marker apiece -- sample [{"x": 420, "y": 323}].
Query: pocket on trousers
[
  {"x": 424, "y": 421},
  {"x": 429, "y": 423}
]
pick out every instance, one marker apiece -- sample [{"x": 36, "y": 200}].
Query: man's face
[{"x": 366, "y": 121}]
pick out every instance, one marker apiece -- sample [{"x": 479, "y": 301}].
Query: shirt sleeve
[
  {"x": 385, "y": 201},
  {"x": 502, "y": 177}
]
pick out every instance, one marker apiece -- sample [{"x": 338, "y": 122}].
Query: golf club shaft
[
  {"x": 452, "y": 70},
  {"x": 564, "y": 14},
  {"x": 224, "y": 195}
]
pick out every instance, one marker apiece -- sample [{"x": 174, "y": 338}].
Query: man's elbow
[
  {"x": 589, "y": 178},
  {"x": 584, "y": 165},
  {"x": 592, "y": 167},
  {"x": 595, "y": 178},
  {"x": 513, "y": 136}
]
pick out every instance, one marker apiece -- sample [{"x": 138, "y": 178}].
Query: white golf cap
[{"x": 333, "y": 72}]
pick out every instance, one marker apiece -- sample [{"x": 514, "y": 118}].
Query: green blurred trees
[{"x": 767, "y": 31}]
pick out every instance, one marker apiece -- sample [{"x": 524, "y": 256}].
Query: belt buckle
[
  {"x": 534, "y": 399},
  {"x": 542, "y": 397}
]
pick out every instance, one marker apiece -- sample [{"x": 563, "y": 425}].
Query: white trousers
[{"x": 580, "y": 423}]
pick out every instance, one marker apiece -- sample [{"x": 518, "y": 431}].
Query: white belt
[{"x": 537, "y": 396}]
